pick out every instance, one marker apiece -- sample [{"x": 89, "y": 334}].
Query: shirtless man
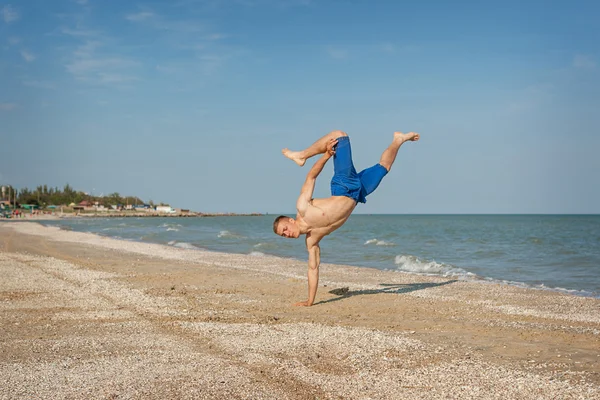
[{"x": 317, "y": 218}]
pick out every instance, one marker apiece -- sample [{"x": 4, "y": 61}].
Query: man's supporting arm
[{"x": 314, "y": 260}]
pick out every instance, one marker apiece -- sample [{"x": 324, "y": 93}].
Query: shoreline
[
  {"x": 468, "y": 278},
  {"x": 82, "y": 313},
  {"x": 34, "y": 217}
]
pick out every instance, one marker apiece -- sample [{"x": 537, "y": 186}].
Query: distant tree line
[{"x": 44, "y": 196}]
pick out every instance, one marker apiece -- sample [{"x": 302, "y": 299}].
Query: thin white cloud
[
  {"x": 77, "y": 32},
  {"x": 196, "y": 47},
  {"x": 298, "y": 3},
  {"x": 390, "y": 48},
  {"x": 169, "y": 69},
  {"x": 14, "y": 40},
  {"x": 584, "y": 61},
  {"x": 274, "y": 3},
  {"x": 211, "y": 63},
  {"x": 216, "y": 36},
  {"x": 7, "y": 106},
  {"x": 40, "y": 84},
  {"x": 98, "y": 58},
  {"x": 9, "y": 14},
  {"x": 27, "y": 56},
  {"x": 87, "y": 49},
  {"x": 208, "y": 56},
  {"x": 159, "y": 22},
  {"x": 203, "y": 65},
  {"x": 82, "y": 67},
  {"x": 105, "y": 77},
  {"x": 387, "y": 48},
  {"x": 141, "y": 16},
  {"x": 336, "y": 53},
  {"x": 530, "y": 98},
  {"x": 89, "y": 66},
  {"x": 93, "y": 61}
]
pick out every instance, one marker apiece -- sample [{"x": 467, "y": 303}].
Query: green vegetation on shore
[
  {"x": 71, "y": 201},
  {"x": 44, "y": 196}
]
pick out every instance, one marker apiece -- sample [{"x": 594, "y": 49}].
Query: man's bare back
[{"x": 317, "y": 218}]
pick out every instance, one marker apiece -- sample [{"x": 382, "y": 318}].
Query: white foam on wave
[
  {"x": 171, "y": 227},
  {"x": 257, "y": 254},
  {"x": 167, "y": 225},
  {"x": 541, "y": 286},
  {"x": 412, "y": 264},
  {"x": 184, "y": 245},
  {"x": 584, "y": 293},
  {"x": 172, "y": 242},
  {"x": 377, "y": 242},
  {"x": 415, "y": 265},
  {"x": 264, "y": 245},
  {"x": 227, "y": 234}
]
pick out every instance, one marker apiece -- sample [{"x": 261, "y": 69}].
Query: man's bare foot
[
  {"x": 294, "y": 156},
  {"x": 404, "y": 137}
]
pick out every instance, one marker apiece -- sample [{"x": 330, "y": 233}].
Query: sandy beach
[{"x": 83, "y": 316}]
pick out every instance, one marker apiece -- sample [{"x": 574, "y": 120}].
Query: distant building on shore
[{"x": 165, "y": 209}]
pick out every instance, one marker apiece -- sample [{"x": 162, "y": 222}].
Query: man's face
[{"x": 288, "y": 229}]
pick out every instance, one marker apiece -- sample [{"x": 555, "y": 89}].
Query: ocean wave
[
  {"x": 415, "y": 265},
  {"x": 187, "y": 246},
  {"x": 264, "y": 245},
  {"x": 168, "y": 225},
  {"x": 575, "y": 292},
  {"x": 171, "y": 227},
  {"x": 377, "y": 242},
  {"x": 149, "y": 236},
  {"x": 541, "y": 286},
  {"x": 257, "y": 254},
  {"x": 227, "y": 234}
]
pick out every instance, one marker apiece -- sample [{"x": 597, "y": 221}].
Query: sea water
[{"x": 558, "y": 252}]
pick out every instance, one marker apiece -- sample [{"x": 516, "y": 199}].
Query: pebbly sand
[{"x": 88, "y": 317}]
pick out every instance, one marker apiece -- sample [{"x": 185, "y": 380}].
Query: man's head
[{"x": 286, "y": 227}]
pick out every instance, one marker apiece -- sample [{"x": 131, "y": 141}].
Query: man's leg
[
  {"x": 370, "y": 178},
  {"x": 318, "y": 147},
  {"x": 389, "y": 155}
]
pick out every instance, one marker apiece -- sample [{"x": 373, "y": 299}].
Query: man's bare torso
[{"x": 324, "y": 216}]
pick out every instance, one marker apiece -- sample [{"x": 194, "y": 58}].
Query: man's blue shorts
[{"x": 346, "y": 182}]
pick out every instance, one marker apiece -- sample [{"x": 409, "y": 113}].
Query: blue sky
[{"x": 190, "y": 102}]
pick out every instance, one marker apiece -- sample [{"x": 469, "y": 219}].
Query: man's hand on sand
[{"x": 302, "y": 304}]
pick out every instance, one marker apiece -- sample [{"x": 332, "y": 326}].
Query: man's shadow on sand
[{"x": 394, "y": 288}]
